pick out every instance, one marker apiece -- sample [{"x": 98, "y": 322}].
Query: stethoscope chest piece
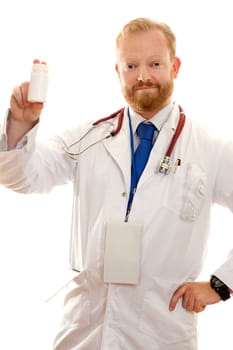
[{"x": 165, "y": 165}]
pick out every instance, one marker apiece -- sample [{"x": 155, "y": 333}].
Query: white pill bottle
[{"x": 38, "y": 87}]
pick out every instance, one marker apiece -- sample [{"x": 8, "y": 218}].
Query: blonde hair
[{"x": 139, "y": 25}]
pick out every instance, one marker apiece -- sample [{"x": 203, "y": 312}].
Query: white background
[{"x": 76, "y": 38}]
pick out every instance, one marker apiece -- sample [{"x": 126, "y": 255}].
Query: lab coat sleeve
[
  {"x": 223, "y": 195},
  {"x": 223, "y": 189},
  {"x": 27, "y": 138},
  {"x": 33, "y": 167},
  {"x": 225, "y": 271}
]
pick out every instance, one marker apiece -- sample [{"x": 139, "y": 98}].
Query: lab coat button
[{"x": 124, "y": 194}]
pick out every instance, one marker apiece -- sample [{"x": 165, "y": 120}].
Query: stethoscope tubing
[
  {"x": 120, "y": 114},
  {"x": 177, "y": 133}
]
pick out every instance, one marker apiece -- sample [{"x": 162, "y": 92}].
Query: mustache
[{"x": 141, "y": 84}]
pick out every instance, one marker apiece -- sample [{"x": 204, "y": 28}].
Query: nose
[{"x": 143, "y": 74}]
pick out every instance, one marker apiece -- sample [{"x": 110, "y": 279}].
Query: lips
[{"x": 146, "y": 86}]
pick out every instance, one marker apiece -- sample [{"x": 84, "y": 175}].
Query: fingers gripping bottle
[{"x": 38, "y": 86}]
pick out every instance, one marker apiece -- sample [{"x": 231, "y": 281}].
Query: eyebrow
[{"x": 153, "y": 57}]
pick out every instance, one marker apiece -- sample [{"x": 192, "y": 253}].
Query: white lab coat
[{"x": 174, "y": 210}]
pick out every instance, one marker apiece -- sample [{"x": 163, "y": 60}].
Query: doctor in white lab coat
[{"x": 137, "y": 286}]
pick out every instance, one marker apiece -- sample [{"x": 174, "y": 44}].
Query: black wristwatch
[{"x": 220, "y": 287}]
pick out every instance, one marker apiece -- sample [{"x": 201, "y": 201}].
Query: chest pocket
[{"x": 186, "y": 190}]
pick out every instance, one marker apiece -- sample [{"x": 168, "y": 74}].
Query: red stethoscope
[{"x": 165, "y": 164}]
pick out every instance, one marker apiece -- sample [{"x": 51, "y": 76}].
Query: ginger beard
[{"x": 148, "y": 101}]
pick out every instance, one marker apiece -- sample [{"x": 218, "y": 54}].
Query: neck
[{"x": 150, "y": 114}]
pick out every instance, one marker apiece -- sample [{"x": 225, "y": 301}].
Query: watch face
[{"x": 217, "y": 283}]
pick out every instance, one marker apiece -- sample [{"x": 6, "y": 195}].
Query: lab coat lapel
[{"x": 119, "y": 148}]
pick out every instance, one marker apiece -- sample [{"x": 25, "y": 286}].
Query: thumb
[{"x": 175, "y": 297}]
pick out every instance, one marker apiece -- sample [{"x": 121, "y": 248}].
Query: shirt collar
[{"x": 159, "y": 119}]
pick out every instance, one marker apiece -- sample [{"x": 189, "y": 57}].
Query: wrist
[
  {"x": 16, "y": 129},
  {"x": 20, "y": 124}
]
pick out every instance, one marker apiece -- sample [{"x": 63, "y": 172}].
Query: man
[{"x": 139, "y": 239}]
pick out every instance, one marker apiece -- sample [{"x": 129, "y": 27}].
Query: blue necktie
[{"x": 145, "y": 132}]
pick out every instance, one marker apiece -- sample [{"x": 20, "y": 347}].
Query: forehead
[{"x": 152, "y": 43}]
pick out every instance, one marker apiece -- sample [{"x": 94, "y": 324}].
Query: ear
[
  {"x": 117, "y": 70},
  {"x": 176, "y": 66}
]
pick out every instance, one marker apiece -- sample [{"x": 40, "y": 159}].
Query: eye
[
  {"x": 130, "y": 66},
  {"x": 156, "y": 64}
]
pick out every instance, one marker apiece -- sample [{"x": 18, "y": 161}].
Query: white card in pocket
[{"x": 122, "y": 252}]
